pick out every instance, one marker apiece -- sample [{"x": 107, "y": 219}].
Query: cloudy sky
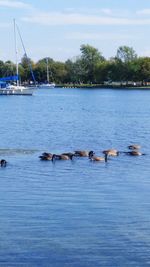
[{"x": 57, "y": 28}]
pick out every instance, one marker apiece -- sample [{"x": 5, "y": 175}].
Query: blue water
[{"x": 75, "y": 213}]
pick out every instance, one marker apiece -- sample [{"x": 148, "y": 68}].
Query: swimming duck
[
  {"x": 3, "y": 163},
  {"x": 46, "y": 156},
  {"x": 62, "y": 157},
  {"x": 134, "y": 147},
  {"x": 69, "y": 154},
  {"x": 82, "y": 153},
  {"x": 97, "y": 158},
  {"x": 111, "y": 152},
  {"x": 135, "y": 153}
]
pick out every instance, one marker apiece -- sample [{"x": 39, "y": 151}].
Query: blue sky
[{"x": 57, "y": 28}]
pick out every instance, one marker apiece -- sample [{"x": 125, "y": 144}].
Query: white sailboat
[
  {"x": 15, "y": 89},
  {"x": 48, "y": 84}
]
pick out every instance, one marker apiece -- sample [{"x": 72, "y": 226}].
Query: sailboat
[
  {"x": 6, "y": 86},
  {"x": 48, "y": 84}
]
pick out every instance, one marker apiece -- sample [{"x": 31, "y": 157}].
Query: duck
[
  {"x": 62, "y": 157},
  {"x": 134, "y": 147},
  {"x": 3, "y": 163},
  {"x": 97, "y": 158},
  {"x": 46, "y": 156},
  {"x": 111, "y": 152},
  {"x": 69, "y": 154},
  {"x": 93, "y": 157},
  {"x": 82, "y": 153},
  {"x": 135, "y": 153}
]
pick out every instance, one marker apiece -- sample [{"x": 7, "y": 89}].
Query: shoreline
[{"x": 104, "y": 87}]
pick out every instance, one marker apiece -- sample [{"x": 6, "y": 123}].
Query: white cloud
[
  {"x": 58, "y": 18},
  {"x": 143, "y": 12},
  {"x": 13, "y": 4},
  {"x": 4, "y": 25},
  {"x": 106, "y": 11},
  {"x": 98, "y": 36},
  {"x": 89, "y": 10}
]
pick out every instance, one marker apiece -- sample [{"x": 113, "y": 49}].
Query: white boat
[
  {"x": 48, "y": 84},
  {"x": 16, "y": 88},
  {"x": 6, "y": 89}
]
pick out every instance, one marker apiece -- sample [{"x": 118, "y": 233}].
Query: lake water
[{"x": 75, "y": 213}]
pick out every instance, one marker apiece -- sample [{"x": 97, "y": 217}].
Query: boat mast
[
  {"x": 18, "y": 31},
  {"x": 16, "y": 53},
  {"x": 47, "y": 70}
]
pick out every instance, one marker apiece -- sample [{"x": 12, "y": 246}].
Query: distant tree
[
  {"x": 59, "y": 72},
  {"x": 75, "y": 71},
  {"x": 2, "y": 66},
  {"x": 40, "y": 72},
  {"x": 102, "y": 71},
  {"x": 142, "y": 66},
  {"x": 89, "y": 67},
  {"x": 71, "y": 75},
  {"x": 90, "y": 57},
  {"x": 41, "y": 69},
  {"x": 9, "y": 68},
  {"x": 124, "y": 63},
  {"x": 126, "y": 54},
  {"x": 45, "y": 59},
  {"x": 27, "y": 64}
]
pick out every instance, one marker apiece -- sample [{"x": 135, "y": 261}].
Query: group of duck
[{"x": 133, "y": 151}]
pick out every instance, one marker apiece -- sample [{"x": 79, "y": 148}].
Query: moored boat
[
  {"x": 8, "y": 89},
  {"x": 48, "y": 84},
  {"x": 10, "y": 85}
]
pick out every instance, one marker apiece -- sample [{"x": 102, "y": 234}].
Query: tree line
[{"x": 90, "y": 67}]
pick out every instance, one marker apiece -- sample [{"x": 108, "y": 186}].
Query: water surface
[{"x": 75, "y": 213}]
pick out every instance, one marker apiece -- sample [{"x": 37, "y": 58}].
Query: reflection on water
[
  {"x": 75, "y": 213},
  {"x": 13, "y": 151}
]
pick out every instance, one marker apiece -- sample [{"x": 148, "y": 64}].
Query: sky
[{"x": 58, "y": 28}]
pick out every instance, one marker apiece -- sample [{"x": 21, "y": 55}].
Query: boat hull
[
  {"x": 47, "y": 85},
  {"x": 24, "y": 91}
]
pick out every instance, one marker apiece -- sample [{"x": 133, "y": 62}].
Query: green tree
[
  {"x": 125, "y": 58},
  {"x": 142, "y": 66},
  {"x": 9, "y": 68},
  {"x": 101, "y": 71},
  {"x": 90, "y": 58},
  {"x": 41, "y": 69},
  {"x": 59, "y": 72},
  {"x": 27, "y": 65},
  {"x": 2, "y": 67},
  {"x": 126, "y": 54},
  {"x": 75, "y": 71}
]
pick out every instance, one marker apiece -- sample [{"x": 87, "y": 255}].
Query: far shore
[{"x": 101, "y": 86}]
